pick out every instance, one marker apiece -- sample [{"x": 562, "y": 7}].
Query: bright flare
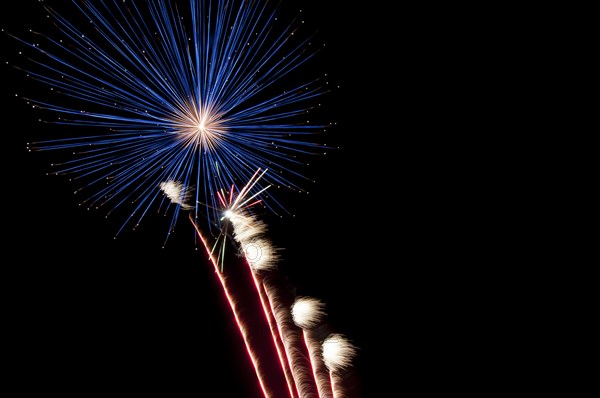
[
  {"x": 307, "y": 312},
  {"x": 338, "y": 352}
]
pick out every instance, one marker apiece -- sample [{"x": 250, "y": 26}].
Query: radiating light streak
[
  {"x": 204, "y": 100},
  {"x": 199, "y": 104}
]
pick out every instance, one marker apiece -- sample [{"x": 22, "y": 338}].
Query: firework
[
  {"x": 177, "y": 193},
  {"x": 307, "y": 313},
  {"x": 260, "y": 256},
  {"x": 291, "y": 336},
  {"x": 276, "y": 334},
  {"x": 241, "y": 327},
  {"x": 338, "y": 354},
  {"x": 190, "y": 108},
  {"x": 204, "y": 103}
]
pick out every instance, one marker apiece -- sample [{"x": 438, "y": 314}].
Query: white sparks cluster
[
  {"x": 307, "y": 312},
  {"x": 250, "y": 234},
  {"x": 177, "y": 193},
  {"x": 338, "y": 352}
]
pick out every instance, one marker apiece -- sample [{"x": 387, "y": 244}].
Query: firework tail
[
  {"x": 277, "y": 338},
  {"x": 249, "y": 233},
  {"x": 195, "y": 117},
  {"x": 336, "y": 388},
  {"x": 337, "y": 353},
  {"x": 176, "y": 100},
  {"x": 240, "y": 279},
  {"x": 307, "y": 313},
  {"x": 320, "y": 373},
  {"x": 291, "y": 335},
  {"x": 297, "y": 355},
  {"x": 273, "y": 387}
]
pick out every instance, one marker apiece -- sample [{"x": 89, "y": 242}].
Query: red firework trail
[
  {"x": 333, "y": 385},
  {"x": 338, "y": 353},
  {"x": 277, "y": 338},
  {"x": 245, "y": 234},
  {"x": 241, "y": 327},
  {"x": 319, "y": 370},
  {"x": 305, "y": 384}
]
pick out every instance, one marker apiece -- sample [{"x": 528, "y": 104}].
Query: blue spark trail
[{"x": 204, "y": 95}]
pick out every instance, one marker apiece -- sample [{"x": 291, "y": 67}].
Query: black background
[{"x": 91, "y": 313}]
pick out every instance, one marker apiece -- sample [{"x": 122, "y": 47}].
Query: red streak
[
  {"x": 276, "y": 336},
  {"x": 241, "y": 328},
  {"x": 322, "y": 380},
  {"x": 221, "y": 199},
  {"x": 332, "y": 377}
]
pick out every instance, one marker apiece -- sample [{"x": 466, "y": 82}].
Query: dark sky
[{"x": 90, "y": 313}]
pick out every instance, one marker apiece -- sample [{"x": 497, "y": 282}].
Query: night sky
[{"x": 91, "y": 313}]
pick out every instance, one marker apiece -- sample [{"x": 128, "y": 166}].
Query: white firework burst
[
  {"x": 261, "y": 254},
  {"x": 245, "y": 228},
  {"x": 250, "y": 233},
  {"x": 177, "y": 193},
  {"x": 307, "y": 312},
  {"x": 338, "y": 352}
]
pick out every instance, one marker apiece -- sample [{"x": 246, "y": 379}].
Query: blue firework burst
[{"x": 200, "y": 95}]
